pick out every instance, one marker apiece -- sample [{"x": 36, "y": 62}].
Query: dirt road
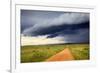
[{"x": 62, "y": 56}]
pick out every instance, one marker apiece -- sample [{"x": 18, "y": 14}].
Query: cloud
[
  {"x": 71, "y": 27},
  {"x": 82, "y": 36},
  {"x": 55, "y": 30},
  {"x": 64, "y": 19},
  {"x": 71, "y": 18}
]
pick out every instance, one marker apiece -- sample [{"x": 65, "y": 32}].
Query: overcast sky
[{"x": 72, "y": 27}]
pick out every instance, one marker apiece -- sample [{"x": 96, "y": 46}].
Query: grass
[
  {"x": 80, "y": 52},
  {"x": 40, "y": 53}
]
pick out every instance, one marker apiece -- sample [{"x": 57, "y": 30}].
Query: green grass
[
  {"x": 40, "y": 53},
  {"x": 80, "y": 52}
]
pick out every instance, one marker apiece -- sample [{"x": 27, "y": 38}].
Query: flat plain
[{"x": 41, "y": 53}]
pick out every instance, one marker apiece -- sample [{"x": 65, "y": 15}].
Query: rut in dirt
[{"x": 64, "y": 55}]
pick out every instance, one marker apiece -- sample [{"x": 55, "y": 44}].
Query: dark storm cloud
[
  {"x": 31, "y": 17},
  {"x": 81, "y": 36},
  {"x": 72, "y": 27},
  {"x": 52, "y": 30}
]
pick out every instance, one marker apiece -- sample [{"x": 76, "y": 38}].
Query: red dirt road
[{"x": 62, "y": 56}]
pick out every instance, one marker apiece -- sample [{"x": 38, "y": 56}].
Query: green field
[{"x": 39, "y": 53}]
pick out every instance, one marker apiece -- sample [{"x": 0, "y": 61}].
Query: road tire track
[{"x": 64, "y": 55}]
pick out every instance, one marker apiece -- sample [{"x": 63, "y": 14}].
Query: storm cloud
[{"x": 72, "y": 27}]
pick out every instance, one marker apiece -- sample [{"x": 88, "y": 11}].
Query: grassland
[{"x": 39, "y": 53}]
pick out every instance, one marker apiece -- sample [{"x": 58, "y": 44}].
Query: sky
[{"x": 50, "y": 27}]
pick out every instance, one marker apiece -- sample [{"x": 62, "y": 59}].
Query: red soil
[{"x": 62, "y": 56}]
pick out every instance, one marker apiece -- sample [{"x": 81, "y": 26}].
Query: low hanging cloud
[
  {"x": 71, "y": 27},
  {"x": 82, "y": 36},
  {"x": 64, "y": 19},
  {"x": 71, "y": 18}
]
